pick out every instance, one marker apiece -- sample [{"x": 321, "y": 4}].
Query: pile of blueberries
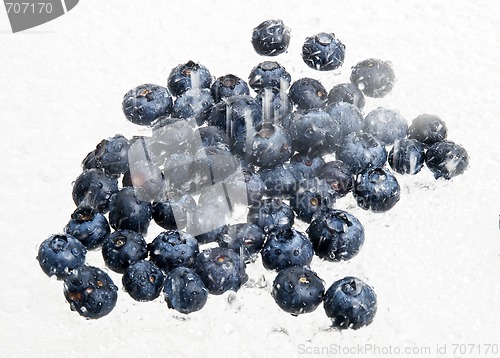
[{"x": 215, "y": 149}]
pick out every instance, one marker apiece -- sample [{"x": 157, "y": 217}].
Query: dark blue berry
[
  {"x": 275, "y": 105},
  {"x": 350, "y": 303},
  {"x": 271, "y": 38},
  {"x": 172, "y": 211},
  {"x": 298, "y": 290},
  {"x": 88, "y": 226},
  {"x": 173, "y": 248},
  {"x": 228, "y": 86},
  {"x": 348, "y": 93},
  {"x": 376, "y": 189},
  {"x": 303, "y": 166},
  {"x": 127, "y": 212},
  {"x": 338, "y": 175},
  {"x": 246, "y": 239},
  {"x": 271, "y": 215},
  {"x": 446, "y": 159},
  {"x": 111, "y": 155},
  {"x": 279, "y": 181},
  {"x": 311, "y": 195},
  {"x": 307, "y": 93},
  {"x": 360, "y": 151},
  {"x": 212, "y": 165},
  {"x": 407, "y": 156},
  {"x": 122, "y": 248},
  {"x": 387, "y": 125},
  {"x": 90, "y": 292},
  {"x": 93, "y": 188},
  {"x": 184, "y": 290},
  {"x": 286, "y": 248},
  {"x": 143, "y": 280},
  {"x": 270, "y": 146},
  {"x": 188, "y": 75},
  {"x": 146, "y": 103},
  {"x": 269, "y": 75},
  {"x": 194, "y": 103},
  {"x": 323, "y": 52},
  {"x": 348, "y": 116},
  {"x": 60, "y": 254},
  {"x": 336, "y": 235},
  {"x": 220, "y": 269},
  {"x": 374, "y": 77},
  {"x": 428, "y": 129}
]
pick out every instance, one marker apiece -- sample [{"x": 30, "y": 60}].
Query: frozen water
[{"x": 429, "y": 258}]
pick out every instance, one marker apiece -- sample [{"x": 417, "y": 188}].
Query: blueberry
[
  {"x": 298, "y": 290},
  {"x": 338, "y": 175},
  {"x": 111, "y": 155},
  {"x": 446, "y": 159},
  {"x": 122, "y": 248},
  {"x": 270, "y": 146},
  {"x": 387, "y": 125},
  {"x": 271, "y": 38},
  {"x": 428, "y": 129},
  {"x": 314, "y": 132},
  {"x": 360, "y": 151},
  {"x": 90, "y": 292},
  {"x": 93, "y": 188},
  {"x": 184, "y": 290},
  {"x": 143, "y": 280},
  {"x": 220, "y": 270},
  {"x": 307, "y": 93},
  {"x": 127, "y": 212},
  {"x": 228, "y": 86},
  {"x": 303, "y": 166},
  {"x": 350, "y": 303},
  {"x": 336, "y": 235},
  {"x": 269, "y": 75},
  {"x": 212, "y": 165},
  {"x": 246, "y": 239},
  {"x": 212, "y": 136},
  {"x": 146, "y": 103},
  {"x": 286, "y": 248},
  {"x": 348, "y": 117},
  {"x": 194, "y": 103},
  {"x": 279, "y": 181},
  {"x": 275, "y": 105},
  {"x": 88, "y": 226},
  {"x": 173, "y": 248},
  {"x": 188, "y": 75},
  {"x": 247, "y": 181},
  {"x": 60, "y": 254},
  {"x": 172, "y": 211},
  {"x": 89, "y": 161},
  {"x": 407, "y": 156},
  {"x": 376, "y": 189},
  {"x": 348, "y": 93},
  {"x": 271, "y": 215},
  {"x": 209, "y": 235},
  {"x": 374, "y": 77},
  {"x": 310, "y": 197},
  {"x": 323, "y": 52}
]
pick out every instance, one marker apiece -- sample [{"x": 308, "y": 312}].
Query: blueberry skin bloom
[
  {"x": 446, "y": 159},
  {"x": 90, "y": 292},
  {"x": 350, "y": 303},
  {"x": 171, "y": 249},
  {"x": 270, "y": 146},
  {"x": 60, "y": 254},
  {"x": 127, "y": 212},
  {"x": 374, "y": 77},
  {"x": 336, "y": 235},
  {"x": 89, "y": 227},
  {"x": 298, "y": 290},
  {"x": 269, "y": 75},
  {"x": 407, "y": 156},
  {"x": 376, "y": 190},
  {"x": 122, "y": 248},
  {"x": 287, "y": 248},
  {"x": 323, "y": 52},
  {"x": 188, "y": 75},
  {"x": 360, "y": 151},
  {"x": 146, "y": 103},
  {"x": 271, "y": 38},
  {"x": 143, "y": 281},
  {"x": 428, "y": 129},
  {"x": 220, "y": 270},
  {"x": 184, "y": 290}
]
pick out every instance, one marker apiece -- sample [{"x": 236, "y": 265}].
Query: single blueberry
[
  {"x": 88, "y": 226},
  {"x": 270, "y": 146},
  {"x": 338, "y": 175},
  {"x": 172, "y": 211},
  {"x": 271, "y": 38},
  {"x": 286, "y": 248},
  {"x": 387, "y": 125},
  {"x": 446, "y": 159},
  {"x": 188, "y": 75},
  {"x": 228, "y": 86},
  {"x": 307, "y": 93},
  {"x": 122, "y": 248},
  {"x": 407, "y": 156},
  {"x": 143, "y": 280},
  {"x": 246, "y": 239},
  {"x": 374, "y": 77},
  {"x": 348, "y": 116},
  {"x": 173, "y": 248},
  {"x": 146, "y": 103},
  {"x": 348, "y": 93},
  {"x": 311, "y": 195},
  {"x": 60, "y": 254},
  {"x": 271, "y": 215},
  {"x": 193, "y": 103},
  {"x": 360, "y": 151},
  {"x": 93, "y": 188},
  {"x": 127, "y": 212},
  {"x": 279, "y": 181},
  {"x": 376, "y": 189},
  {"x": 428, "y": 129},
  {"x": 111, "y": 155},
  {"x": 269, "y": 75},
  {"x": 323, "y": 52},
  {"x": 184, "y": 290}
]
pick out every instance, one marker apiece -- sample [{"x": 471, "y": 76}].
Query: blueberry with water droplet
[
  {"x": 93, "y": 188},
  {"x": 308, "y": 93},
  {"x": 111, "y": 155},
  {"x": 271, "y": 38},
  {"x": 228, "y": 86},
  {"x": 88, "y": 226},
  {"x": 269, "y": 75},
  {"x": 60, "y": 254},
  {"x": 173, "y": 248},
  {"x": 338, "y": 175},
  {"x": 323, "y": 52},
  {"x": 270, "y": 146},
  {"x": 387, "y": 125},
  {"x": 127, "y": 212},
  {"x": 193, "y": 104},
  {"x": 188, "y": 75},
  {"x": 374, "y": 77},
  {"x": 143, "y": 280},
  {"x": 298, "y": 290},
  {"x": 286, "y": 248},
  {"x": 407, "y": 156},
  {"x": 348, "y": 93},
  {"x": 246, "y": 239},
  {"x": 184, "y": 290},
  {"x": 144, "y": 104},
  {"x": 271, "y": 215},
  {"x": 360, "y": 151},
  {"x": 446, "y": 159},
  {"x": 376, "y": 190},
  {"x": 122, "y": 248},
  {"x": 428, "y": 129}
]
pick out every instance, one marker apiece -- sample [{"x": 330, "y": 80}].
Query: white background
[{"x": 433, "y": 260}]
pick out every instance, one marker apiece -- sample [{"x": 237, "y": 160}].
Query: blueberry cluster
[{"x": 286, "y": 154}]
